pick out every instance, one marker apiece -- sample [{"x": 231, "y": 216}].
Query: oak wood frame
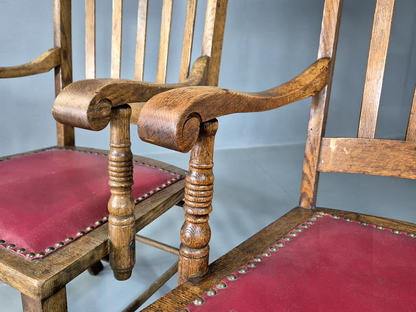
[
  {"x": 364, "y": 154},
  {"x": 46, "y": 291}
]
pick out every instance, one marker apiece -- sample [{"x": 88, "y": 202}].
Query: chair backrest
[
  {"x": 363, "y": 154},
  {"x": 211, "y": 46}
]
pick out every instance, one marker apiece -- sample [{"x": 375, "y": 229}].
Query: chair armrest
[
  {"x": 42, "y": 64},
  {"x": 87, "y": 103},
  {"x": 172, "y": 119}
]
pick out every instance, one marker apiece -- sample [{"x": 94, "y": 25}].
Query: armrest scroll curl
[
  {"x": 172, "y": 119},
  {"x": 87, "y": 103}
]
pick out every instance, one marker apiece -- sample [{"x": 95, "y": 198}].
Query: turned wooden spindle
[
  {"x": 121, "y": 227},
  {"x": 199, "y": 189}
]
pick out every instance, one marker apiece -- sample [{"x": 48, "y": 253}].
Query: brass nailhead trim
[
  {"x": 211, "y": 292},
  {"x": 266, "y": 254},
  {"x": 273, "y": 248},
  {"x": 252, "y": 264},
  {"x": 221, "y": 285},
  {"x": 242, "y": 270},
  {"x": 232, "y": 277},
  {"x": 199, "y": 301}
]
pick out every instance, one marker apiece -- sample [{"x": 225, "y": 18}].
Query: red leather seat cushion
[
  {"x": 50, "y": 196},
  {"x": 334, "y": 265}
]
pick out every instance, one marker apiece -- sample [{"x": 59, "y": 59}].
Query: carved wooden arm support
[
  {"x": 173, "y": 119},
  {"x": 42, "y": 64},
  {"x": 92, "y": 104},
  {"x": 87, "y": 103}
]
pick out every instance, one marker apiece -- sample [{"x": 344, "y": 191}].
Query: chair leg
[
  {"x": 54, "y": 303},
  {"x": 95, "y": 268}
]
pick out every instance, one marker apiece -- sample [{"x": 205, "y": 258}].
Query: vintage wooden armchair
[
  {"x": 313, "y": 259},
  {"x": 54, "y": 200}
]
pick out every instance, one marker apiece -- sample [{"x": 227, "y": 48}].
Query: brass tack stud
[
  {"x": 242, "y": 270},
  {"x": 69, "y": 239},
  {"x": 258, "y": 259},
  {"x": 141, "y": 197},
  {"x": 280, "y": 244},
  {"x": 317, "y": 215},
  {"x": 252, "y": 264},
  {"x": 199, "y": 301},
  {"x": 167, "y": 170},
  {"x": 293, "y": 234},
  {"x": 397, "y": 232},
  {"x": 305, "y": 226},
  {"x": 348, "y": 219},
  {"x": 221, "y": 285},
  {"x": 309, "y": 222},
  {"x": 105, "y": 218},
  {"x": 99, "y": 222},
  {"x": 147, "y": 195},
  {"x": 364, "y": 223},
  {"x": 59, "y": 244},
  {"x": 299, "y": 230},
  {"x": 411, "y": 235},
  {"x": 287, "y": 238},
  {"x": 11, "y": 246},
  {"x": 30, "y": 255},
  {"x": 232, "y": 277},
  {"x": 80, "y": 233},
  {"x": 173, "y": 173},
  {"x": 158, "y": 188},
  {"x": 266, "y": 254},
  {"x": 314, "y": 218},
  {"x": 21, "y": 250},
  {"x": 161, "y": 169},
  {"x": 335, "y": 217},
  {"x": 273, "y": 248},
  {"x": 164, "y": 185},
  {"x": 152, "y": 192},
  {"x": 50, "y": 249},
  {"x": 40, "y": 254},
  {"x": 378, "y": 227},
  {"x": 90, "y": 228},
  {"x": 169, "y": 182},
  {"x": 2, "y": 242},
  {"x": 321, "y": 213},
  {"x": 211, "y": 292}
]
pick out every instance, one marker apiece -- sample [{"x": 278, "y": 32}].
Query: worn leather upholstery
[
  {"x": 49, "y": 197},
  {"x": 333, "y": 265}
]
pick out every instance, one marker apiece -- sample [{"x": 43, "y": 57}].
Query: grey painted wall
[{"x": 266, "y": 43}]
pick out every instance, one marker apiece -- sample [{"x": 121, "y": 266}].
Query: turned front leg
[
  {"x": 121, "y": 227},
  {"x": 199, "y": 189}
]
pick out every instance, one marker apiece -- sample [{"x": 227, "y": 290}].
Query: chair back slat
[
  {"x": 63, "y": 73},
  {"x": 90, "y": 32},
  {"x": 188, "y": 39},
  {"x": 141, "y": 40},
  {"x": 116, "y": 39},
  {"x": 320, "y": 102},
  {"x": 411, "y": 126},
  {"x": 375, "y": 68},
  {"x": 213, "y": 37},
  {"x": 162, "y": 65}
]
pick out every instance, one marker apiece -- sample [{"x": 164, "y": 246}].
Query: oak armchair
[
  {"x": 312, "y": 258},
  {"x": 59, "y": 227}
]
